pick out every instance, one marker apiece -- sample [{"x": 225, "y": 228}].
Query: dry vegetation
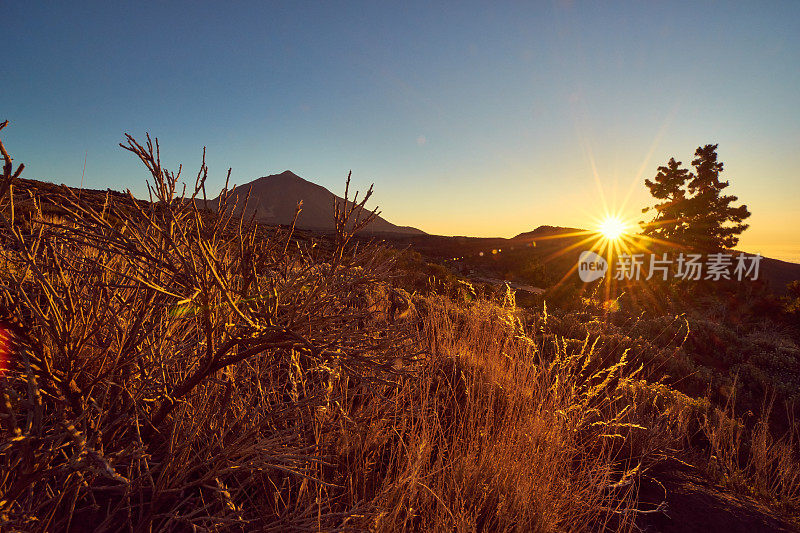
[{"x": 175, "y": 369}]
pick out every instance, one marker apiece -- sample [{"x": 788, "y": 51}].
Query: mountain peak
[
  {"x": 286, "y": 175},
  {"x": 274, "y": 199}
]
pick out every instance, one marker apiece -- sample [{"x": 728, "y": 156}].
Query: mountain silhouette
[
  {"x": 547, "y": 231},
  {"x": 274, "y": 199}
]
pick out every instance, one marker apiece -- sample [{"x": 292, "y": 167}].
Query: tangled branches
[{"x": 170, "y": 360}]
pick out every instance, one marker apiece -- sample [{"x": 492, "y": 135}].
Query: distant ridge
[
  {"x": 543, "y": 231},
  {"x": 274, "y": 198}
]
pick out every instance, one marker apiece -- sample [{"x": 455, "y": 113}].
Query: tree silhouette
[
  {"x": 669, "y": 185},
  {"x": 694, "y": 213}
]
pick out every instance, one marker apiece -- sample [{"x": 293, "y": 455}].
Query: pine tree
[
  {"x": 717, "y": 224},
  {"x": 669, "y": 185},
  {"x": 695, "y": 213}
]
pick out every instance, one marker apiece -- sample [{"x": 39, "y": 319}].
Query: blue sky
[{"x": 470, "y": 118}]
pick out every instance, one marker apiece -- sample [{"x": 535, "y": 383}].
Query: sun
[{"x": 612, "y": 228}]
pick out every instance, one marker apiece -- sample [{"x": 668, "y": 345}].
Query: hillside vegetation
[{"x": 173, "y": 368}]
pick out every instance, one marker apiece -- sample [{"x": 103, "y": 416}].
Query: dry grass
[
  {"x": 499, "y": 436},
  {"x": 177, "y": 369},
  {"x": 754, "y": 461}
]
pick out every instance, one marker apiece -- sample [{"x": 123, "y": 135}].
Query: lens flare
[{"x": 612, "y": 228}]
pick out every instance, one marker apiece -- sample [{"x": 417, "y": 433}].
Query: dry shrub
[{"x": 170, "y": 361}]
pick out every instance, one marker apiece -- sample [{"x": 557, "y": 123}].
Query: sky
[{"x": 480, "y": 119}]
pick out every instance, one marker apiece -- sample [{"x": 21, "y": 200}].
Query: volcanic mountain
[{"x": 274, "y": 198}]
